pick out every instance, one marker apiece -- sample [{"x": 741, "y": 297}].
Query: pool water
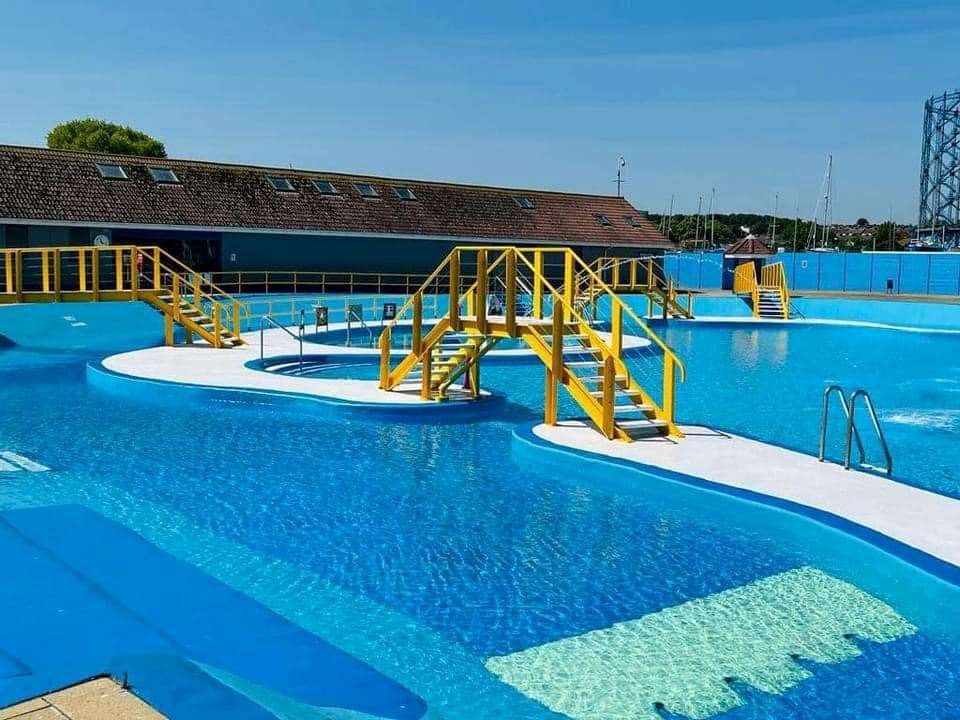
[
  {"x": 767, "y": 381},
  {"x": 401, "y": 338},
  {"x": 426, "y": 549}
]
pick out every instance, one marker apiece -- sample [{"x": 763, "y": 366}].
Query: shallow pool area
[{"x": 427, "y": 549}]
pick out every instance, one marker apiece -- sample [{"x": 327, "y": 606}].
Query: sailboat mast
[
  {"x": 713, "y": 192},
  {"x": 827, "y": 210},
  {"x": 696, "y": 238}
]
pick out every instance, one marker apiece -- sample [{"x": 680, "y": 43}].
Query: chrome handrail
[
  {"x": 868, "y": 402},
  {"x": 298, "y": 336},
  {"x": 852, "y": 432}
]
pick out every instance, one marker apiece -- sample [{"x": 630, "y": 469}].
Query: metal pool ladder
[
  {"x": 299, "y": 336},
  {"x": 852, "y": 433}
]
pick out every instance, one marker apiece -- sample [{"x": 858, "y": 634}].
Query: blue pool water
[
  {"x": 425, "y": 549},
  {"x": 768, "y": 381},
  {"x": 401, "y": 337}
]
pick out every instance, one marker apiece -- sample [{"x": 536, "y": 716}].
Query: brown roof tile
[
  {"x": 749, "y": 246},
  {"x": 65, "y": 186}
]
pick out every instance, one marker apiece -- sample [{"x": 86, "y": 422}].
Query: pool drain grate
[{"x": 687, "y": 659}]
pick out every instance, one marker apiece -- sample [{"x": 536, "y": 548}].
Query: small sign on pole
[
  {"x": 389, "y": 311},
  {"x": 322, "y": 317},
  {"x": 354, "y": 313}
]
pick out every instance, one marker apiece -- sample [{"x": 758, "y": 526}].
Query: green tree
[{"x": 102, "y": 136}]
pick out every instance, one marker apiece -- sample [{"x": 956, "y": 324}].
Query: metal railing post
[
  {"x": 481, "y": 294},
  {"x": 616, "y": 328},
  {"x": 538, "y": 284},
  {"x": 510, "y": 308},
  {"x": 384, "y": 343},
  {"x": 669, "y": 389},
  {"x": 609, "y": 381},
  {"x": 417, "y": 340},
  {"x": 455, "y": 291}
]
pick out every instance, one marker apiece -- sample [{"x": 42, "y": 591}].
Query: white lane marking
[
  {"x": 7, "y": 467},
  {"x": 23, "y": 462}
]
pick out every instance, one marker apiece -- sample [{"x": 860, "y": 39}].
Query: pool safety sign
[
  {"x": 14, "y": 462},
  {"x": 322, "y": 316}
]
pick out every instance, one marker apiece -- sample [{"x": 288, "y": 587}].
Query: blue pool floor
[{"x": 69, "y": 610}]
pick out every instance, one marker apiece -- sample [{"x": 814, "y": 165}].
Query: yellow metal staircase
[
  {"x": 124, "y": 273},
  {"x": 770, "y": 296},
  {"x": 498, "y": 292}
]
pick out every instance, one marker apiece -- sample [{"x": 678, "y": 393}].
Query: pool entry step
[
  {"x": 15, "y": 462},
  {"x": 687, "y": 659},
  {"x": 557, "y": 305}
]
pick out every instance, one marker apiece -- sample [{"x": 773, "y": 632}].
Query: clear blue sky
[{"x": 745, "y": 96}]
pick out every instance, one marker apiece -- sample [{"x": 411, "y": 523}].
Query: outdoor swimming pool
[{"x": 426, "y": 549}]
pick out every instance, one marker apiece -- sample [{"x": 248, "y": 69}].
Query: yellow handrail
[
  {"x": 643, "y": 325},
  {"x": 774, "y": 275}
]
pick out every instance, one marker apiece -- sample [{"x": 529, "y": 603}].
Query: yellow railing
[
  {"x": 643, "y": 275},
  {"x": 745, "y": 283},
  {"x": 774, "y": 275},
  {"x": 469, "y": 276},
  {"x": 119, "y": 272},
  {"x": 323, "y": 282}
]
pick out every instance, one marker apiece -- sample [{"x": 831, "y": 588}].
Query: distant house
[
  {"x": 752, "y": 246},
  {"x": 218, "y": 216}
]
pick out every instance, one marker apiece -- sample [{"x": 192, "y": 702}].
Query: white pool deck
[
  {"x": 202, "y": 365},
  {"x": 921, "y": 519},
  {"x": 918, "y": 518}
]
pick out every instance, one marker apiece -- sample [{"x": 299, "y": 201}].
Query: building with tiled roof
[
  {"x": 240, "y": 217},
  {"x": 751, "y": 246}
]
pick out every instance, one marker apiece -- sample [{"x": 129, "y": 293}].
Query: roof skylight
[
  {"x": 602, "y": 219},
  {"x": 325, "y": 187},
  {"x": 524, "y": 202},
  {"x": 163, "y": 175},
  {"x": 366, "y": 190},
  {"x": 404, "y": 193},
  {"x": 281, "y": 184},
  {"x": 111, "y": 172}
]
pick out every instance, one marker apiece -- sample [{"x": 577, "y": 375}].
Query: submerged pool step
[
  {"x": 15, "y": 462},
  {"x": 688, "y": 658}
]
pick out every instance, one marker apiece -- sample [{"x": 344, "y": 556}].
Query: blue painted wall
[
  {"x": 901, "y": 313},
  {"x": 696, "y": 270},
  {"x": 908, "y": 273}
]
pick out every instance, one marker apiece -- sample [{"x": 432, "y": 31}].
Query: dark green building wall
[{"x": 261, "y": 251}]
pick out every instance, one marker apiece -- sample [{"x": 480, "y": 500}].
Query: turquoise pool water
[
  {"x": 401, "y": 337},
  {"x": 427, "y": 549},
  {"x": 768, "y": 380}
]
